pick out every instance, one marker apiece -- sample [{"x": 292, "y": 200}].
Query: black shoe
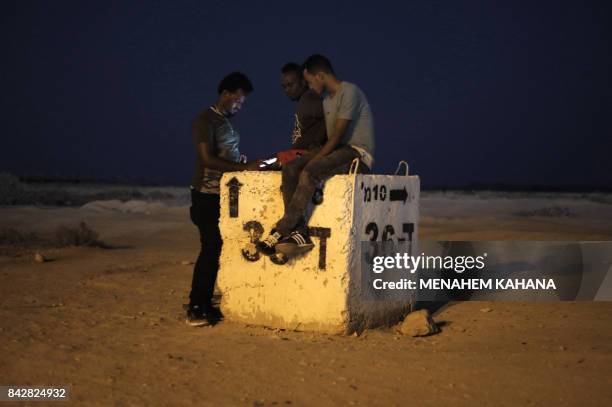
[
  {"x": 297, "y": 243},
  {"x": 268, "y": 245},
  {"x": 196, "y": 316},
  {"x": 216, "y": 313}
]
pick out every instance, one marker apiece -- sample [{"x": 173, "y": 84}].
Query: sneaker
[
  {"x": 268, "y": 245},
  {"x": 297, "y": 243},
  {"x": 197, "y": 317}
]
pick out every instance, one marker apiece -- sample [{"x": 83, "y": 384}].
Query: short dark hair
[
  {"x": 292, "y": 67},
  {"x": 234, "y": 81},
  {"x": 318, "y": 63}
]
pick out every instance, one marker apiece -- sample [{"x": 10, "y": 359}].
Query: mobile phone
[{"x": 267, "y": 162}]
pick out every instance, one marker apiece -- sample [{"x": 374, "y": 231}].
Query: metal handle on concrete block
[
  {"x": 354, "y": 167},
  {"x": 399, "y": 165}
]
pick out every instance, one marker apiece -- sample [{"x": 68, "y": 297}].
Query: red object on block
[{"x": 289, "y": 155}]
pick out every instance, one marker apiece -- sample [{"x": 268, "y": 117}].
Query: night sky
[{"x": 468, "y": 92}]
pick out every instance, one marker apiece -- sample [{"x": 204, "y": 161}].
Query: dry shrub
[{"x": 81, "y": 235}]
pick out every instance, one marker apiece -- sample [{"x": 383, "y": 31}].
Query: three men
[
  {"x": 216, "y": 143},
  {"x": 350, "y": 131},
  {"x": 332, "y": 134}
]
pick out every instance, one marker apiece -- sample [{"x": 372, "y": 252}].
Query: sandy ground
[{"x": 109, "y": 323}]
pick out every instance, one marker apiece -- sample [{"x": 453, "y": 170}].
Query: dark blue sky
[{"x": 468, "y": 92}]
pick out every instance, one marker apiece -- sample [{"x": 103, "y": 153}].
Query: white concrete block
[{"x": 321, "y": 289}]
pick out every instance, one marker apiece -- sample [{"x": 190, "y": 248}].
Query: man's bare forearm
[
  {"x": 328, "y": 147},
  {"x": 334, "y": 139}
]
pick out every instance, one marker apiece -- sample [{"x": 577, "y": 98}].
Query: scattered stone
[
  {"x": 562, "y": 348},
  {"x": 418, "y": 323},
  {"x": 186, "y": 263},
  {"x": 39, "y": 258},
  {"x": 486, "y": 309}
]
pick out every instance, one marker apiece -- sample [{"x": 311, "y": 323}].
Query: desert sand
[{"x": 109, "y": 323}]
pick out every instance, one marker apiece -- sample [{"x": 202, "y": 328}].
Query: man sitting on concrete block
[
  {"x": 350, "y": 130},
  {"x": 309, "y": 120}
]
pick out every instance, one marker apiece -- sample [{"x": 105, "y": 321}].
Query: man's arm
[
  {"x": 347, "y": 111},
  {"x": 333, "y": 139},
  {"x": 221, "y": 164},
  {"x": 202, "y": 135}
]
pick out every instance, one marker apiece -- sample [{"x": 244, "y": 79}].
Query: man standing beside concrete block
[
  {"x": 216, "y": 143},
  {"x": 350, "y": 130}
]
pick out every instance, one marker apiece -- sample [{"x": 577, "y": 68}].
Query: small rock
[
  {"x": 562, "y": 348},
  {"x": 486, "y": 310},
  {"x": 186, "y": 263},
  {"x": 418, "y": 323},
  {"x": 39, "y": 258}
]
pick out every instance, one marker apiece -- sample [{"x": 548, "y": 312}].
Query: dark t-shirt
[
  {"x": 309, "y": 127},
  {"x": 218, "y": 132}
]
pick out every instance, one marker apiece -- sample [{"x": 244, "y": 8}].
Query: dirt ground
[{"x": 109, "y": 323}]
